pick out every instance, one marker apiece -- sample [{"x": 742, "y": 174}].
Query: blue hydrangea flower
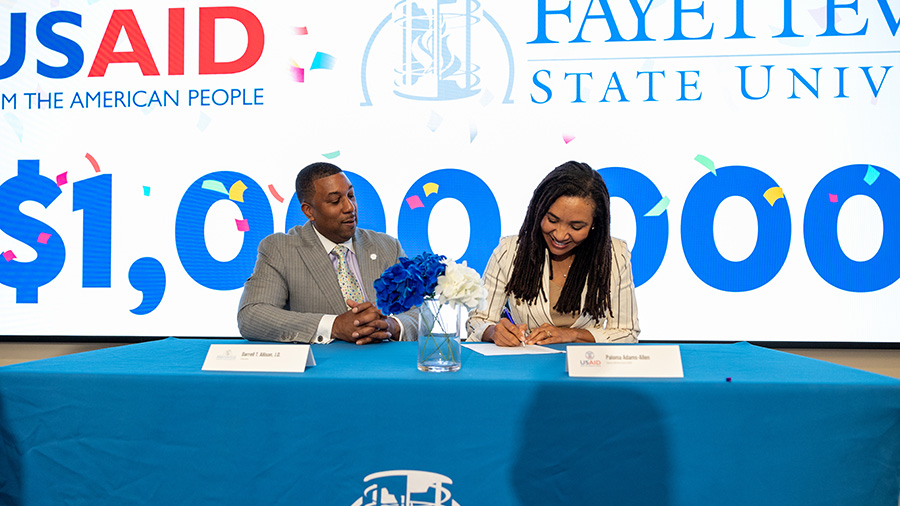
[
  {"x": 432, "y": 267},
  {"x": 405, "y": 284}
]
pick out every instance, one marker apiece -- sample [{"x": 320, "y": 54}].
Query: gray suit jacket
[{"x": 294, "y": 284}]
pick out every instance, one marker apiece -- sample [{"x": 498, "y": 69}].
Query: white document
[
  {"x": 603, "y": 361},
  {"x": 259, "y": 357},
  {"x": 491, "y": 349}
]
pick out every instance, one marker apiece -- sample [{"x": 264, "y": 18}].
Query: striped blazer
[
  {"x": 620, "y": 324},
  {"x": 294, "y": 284}
]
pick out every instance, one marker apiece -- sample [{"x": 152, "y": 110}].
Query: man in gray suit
[{"x": 314, "y": 284}]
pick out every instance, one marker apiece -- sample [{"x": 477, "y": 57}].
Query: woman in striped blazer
[{"x": 563, "y": 279}]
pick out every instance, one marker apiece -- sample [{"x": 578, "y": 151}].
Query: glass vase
[{"x": 440, "y": 326}]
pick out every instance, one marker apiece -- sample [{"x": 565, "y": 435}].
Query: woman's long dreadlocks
[{"x": 593, "y": 257}]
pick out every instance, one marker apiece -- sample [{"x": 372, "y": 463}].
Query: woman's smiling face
[{"x": 567, "y": 224}]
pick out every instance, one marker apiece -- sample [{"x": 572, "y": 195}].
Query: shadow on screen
[{"x": 591, "y": 446}]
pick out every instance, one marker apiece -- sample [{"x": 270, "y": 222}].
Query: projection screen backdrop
[{"x": 751, "y": 150}]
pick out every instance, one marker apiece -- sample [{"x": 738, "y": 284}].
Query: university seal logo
[
  {"x": 406, "y": 488},
  {"x": 437, "y": 50}
]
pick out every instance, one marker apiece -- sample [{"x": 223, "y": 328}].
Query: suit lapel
[
  {"x": 319, "y": 265},
  {"x": 367, "y": 266}
]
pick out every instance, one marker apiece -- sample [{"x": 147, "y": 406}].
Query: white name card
[
  {"x": 259, "y": 357},
  {"x": 602, "y": 361}
]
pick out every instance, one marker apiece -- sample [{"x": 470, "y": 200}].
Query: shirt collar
[{"x": 329, "y": 245}]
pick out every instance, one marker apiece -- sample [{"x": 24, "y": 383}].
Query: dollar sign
[{"x": 26, "y": 277}]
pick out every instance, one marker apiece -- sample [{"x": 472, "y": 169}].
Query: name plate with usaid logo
[
  {"x": 602, "y": 361},
  {"x": 258, "y": 357}
]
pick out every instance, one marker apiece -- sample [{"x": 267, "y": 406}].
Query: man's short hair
[{"x": 306, "y": 178}]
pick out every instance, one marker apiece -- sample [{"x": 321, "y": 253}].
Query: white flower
[{"x": 460, "y": 284}]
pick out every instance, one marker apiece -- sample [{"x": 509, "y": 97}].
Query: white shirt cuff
[{"x": 323, "y": 332}]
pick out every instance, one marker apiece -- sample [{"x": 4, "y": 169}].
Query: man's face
[{"x": 333, "y": 208}]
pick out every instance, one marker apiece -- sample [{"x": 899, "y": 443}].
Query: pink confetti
[
  {"x": 568, "y": 138},
  {"x": 301, "y": 30},
  {"x": 297, "y": 74},
  {"x": 275, "y": 194},
  {"x": 414, "y": 202},
  {"x": 93, "y": 162},
  {"x": 242, "y": 225},
  {"x": 728, "y": 379},
  {"x": 9, "y": 255},
  {"x": 832, "y": 198},
  {"x": 62, "y": 178},
  {"x": 820, "y": 15},
  {"x": 43, "y": 237}
]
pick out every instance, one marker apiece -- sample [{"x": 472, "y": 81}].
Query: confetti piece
[
  {"x": 236, "y": 192},
  {"x": 486, "y": 98},
  {"x": 62, "y": 178},
  {"x": 832, "y": 197},
  {"x": 871, "y": 175},
  {"x": 215, "y": 186},
  {"x": 323, "y": 61},
  {"x": 659, "y": 208},
  {"x": 774, "y": 193},
  {"x": 332, "y": 155},
  {"x": 430, "y": 188},
  {"x": 728, "y": 379},
  {"x": 568, "y": 138},
  {"x": 9, "y": 255},
  {"x": 203, "y": 122},
  {"x": 301, "y": 30},
  {"x": 473, "y": 132},
  {"x": 297, "y": 74},
  {"x": 706, "y": 162},
  {"x": 93, "y": 162},
  {"x": 43, "y": 237},
  {"x": 434, "y": 121},
  {"x": 15, "y": 123},
  {"x": 414, "y": 202},
  {"x": 242, "y": 225},
  {"x": 819, "y": 15},
  {"x": 146, "y": 191},
  {"x": 275, "y": 194}
]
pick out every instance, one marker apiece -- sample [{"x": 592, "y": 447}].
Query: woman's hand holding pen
[{"x": 506, "y": 333}]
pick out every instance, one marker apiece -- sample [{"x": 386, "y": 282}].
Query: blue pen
[{"x": 510, "y": 318}]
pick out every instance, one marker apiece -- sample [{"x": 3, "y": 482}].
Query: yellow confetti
[
  {"x": 236, "y": 193},
  {"x": 773, "y": 194},
  {"x": 430, "y": 188}
]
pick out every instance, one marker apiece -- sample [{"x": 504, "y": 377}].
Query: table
[{"x": 142, "y": 424}]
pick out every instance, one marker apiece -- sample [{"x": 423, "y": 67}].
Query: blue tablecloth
[{"x": 142, "y": 424}]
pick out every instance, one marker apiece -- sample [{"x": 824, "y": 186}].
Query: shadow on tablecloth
[{"x": 571, "y": 455}]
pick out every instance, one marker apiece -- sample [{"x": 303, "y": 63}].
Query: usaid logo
[
  {"x": 437, "y": 50},
  {"x": 406, "y": 488},
  {"x": 589, "y": 360}
]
